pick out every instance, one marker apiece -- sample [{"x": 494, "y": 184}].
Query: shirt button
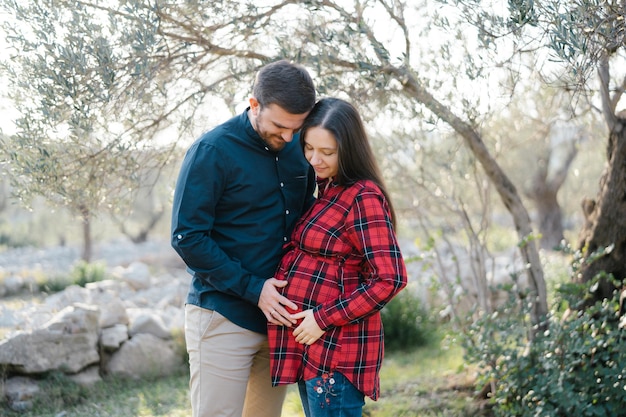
[
  {"x": 282, "y": 185},
  {"x": 276, "y": 159},
  {"x": 267, "y": 149},
  {"x": 286, "y": 211},
  {"x": 179, "y": 237},
  {"x": 285, "y": 238}
]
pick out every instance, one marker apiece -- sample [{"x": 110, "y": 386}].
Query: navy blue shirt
[{"x": 235, "y": 205}]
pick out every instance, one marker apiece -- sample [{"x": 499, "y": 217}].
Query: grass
[{"x": 427, "y": 382}]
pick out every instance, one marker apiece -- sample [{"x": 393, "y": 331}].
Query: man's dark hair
[{"x": 285, "y": 84}]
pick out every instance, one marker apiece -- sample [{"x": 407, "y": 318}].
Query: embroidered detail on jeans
[{"x": 325, "y": 388}]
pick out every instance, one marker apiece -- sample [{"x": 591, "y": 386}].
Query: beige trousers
[{"x": 229, "y": 368}]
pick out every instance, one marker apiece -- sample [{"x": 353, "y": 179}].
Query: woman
[{"x": 343, "y": 265}]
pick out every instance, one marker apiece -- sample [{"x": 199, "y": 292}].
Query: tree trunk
[
  {"x": 87, "y": 241},
  {"x": 548, "y": 180},
  {"x": 605, "y": 219},
  {"x": 549, "y": 220}
]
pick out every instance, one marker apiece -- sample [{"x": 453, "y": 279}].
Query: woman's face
[{"x": 320, "y": 149}]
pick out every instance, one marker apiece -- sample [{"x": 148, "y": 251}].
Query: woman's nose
[{"x": 315, "y": 159}]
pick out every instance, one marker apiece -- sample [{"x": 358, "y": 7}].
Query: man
[{"x": 241, "y": 188}]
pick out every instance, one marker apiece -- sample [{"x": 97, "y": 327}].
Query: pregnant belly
[{"x": 310, "y": 290}]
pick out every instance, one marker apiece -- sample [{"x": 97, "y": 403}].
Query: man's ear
[{"x": 254, "y": 105}]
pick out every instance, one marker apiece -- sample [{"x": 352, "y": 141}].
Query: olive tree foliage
[
  {"x": 406, "y": 58},
  {"x": 88, "y": 107}
]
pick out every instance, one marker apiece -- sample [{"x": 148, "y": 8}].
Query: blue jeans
[{"x": 331, "y": 395}]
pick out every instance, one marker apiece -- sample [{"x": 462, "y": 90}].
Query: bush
[
  {"x": 576, "y": 368},
  {"x": 81, "y": 274},
  {"x": 406, "y": 322},
  {"x": 85, "y": 272},
  {"x": 53, "y": 284}
]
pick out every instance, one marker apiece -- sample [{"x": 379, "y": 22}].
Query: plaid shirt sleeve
[{"x": 370, "y": 231}]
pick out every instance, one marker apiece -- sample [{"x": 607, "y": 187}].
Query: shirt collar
[
  {"x": 250, "y": 130},
  {"x": 325, "y": 186}
]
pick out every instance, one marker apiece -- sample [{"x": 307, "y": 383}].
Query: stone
[
  {"x": 112, "y": 338},
  {"x": 88, "y": 377},
  {"x": 144, "y": 355},
  {"x": 69, "y": 342},
  {"x": 137, "y": 275},
  {"x": 19, "y": 392},
  {"x": 70, "y": 295},
  {"x": 147, "y": 321}
]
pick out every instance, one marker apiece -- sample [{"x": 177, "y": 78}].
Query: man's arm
[{"x": 198, "y": 189}]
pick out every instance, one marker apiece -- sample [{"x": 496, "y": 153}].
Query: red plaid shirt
[{"x": 345, "y": 263}]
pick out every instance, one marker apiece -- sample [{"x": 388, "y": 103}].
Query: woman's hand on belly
[{"x": 308, "y": 331}]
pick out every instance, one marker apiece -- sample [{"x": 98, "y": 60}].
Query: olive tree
[{"x": 86, "y": 101}]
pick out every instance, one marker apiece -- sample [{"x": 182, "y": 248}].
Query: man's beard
[{"x": 276, "y": 145}]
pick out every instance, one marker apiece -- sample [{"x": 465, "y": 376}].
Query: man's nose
[{"x": 287, "y": 136}]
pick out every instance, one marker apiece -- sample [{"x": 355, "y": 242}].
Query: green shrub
[
  {"x": 406, "y": 322},
  {"x": 575, "y": 368},
  {"x": 81, "y": 274},
  {"x": 85, "y": 272},
  {"x": 54, "y": 284}
]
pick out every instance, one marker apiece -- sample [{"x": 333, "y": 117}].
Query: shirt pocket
[{"x": 294, "y": 190}]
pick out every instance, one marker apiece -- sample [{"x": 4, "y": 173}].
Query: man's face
[{"x": 274, "y": 125}]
